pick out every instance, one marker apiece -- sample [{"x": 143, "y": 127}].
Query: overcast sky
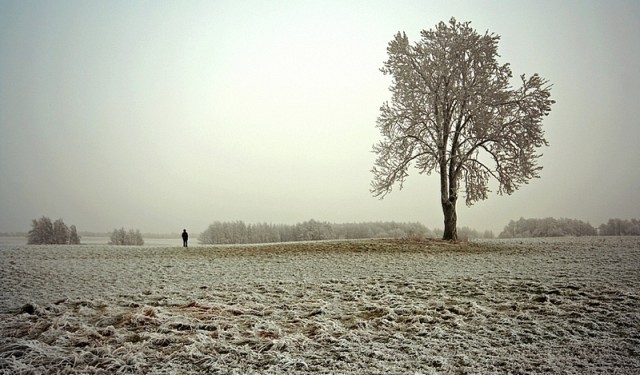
[{"x": 164, "y": 115}]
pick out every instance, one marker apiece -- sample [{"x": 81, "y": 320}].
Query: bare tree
[{"x": 453, "y": 110}]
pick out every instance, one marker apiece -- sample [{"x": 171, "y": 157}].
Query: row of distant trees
[
  {"x": 311, "y": 230},
  {"x": 620, "y": 227},
  {"x": 239, "y": 232},
  {"x": 236, "y": 232},
  {"x": 46, "y": 232},
  {"x": 552, "y": 227}
]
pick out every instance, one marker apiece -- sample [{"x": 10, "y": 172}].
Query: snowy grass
[{"x": 565, "y": 306}]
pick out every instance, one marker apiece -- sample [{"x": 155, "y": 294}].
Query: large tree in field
[{"x": 454, "y": 110}]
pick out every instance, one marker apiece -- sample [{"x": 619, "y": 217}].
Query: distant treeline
[
  {"x": 13, "y": 234},
  {"x": 552, "y": 227},
  {"x": 620, "y": 227},
  {"x": 237, "y": 232}
]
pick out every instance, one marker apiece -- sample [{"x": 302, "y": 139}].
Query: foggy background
[{"x": 169, "y": 115}]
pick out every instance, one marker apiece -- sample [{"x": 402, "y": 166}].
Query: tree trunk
[{"x": 450, "y": 219}]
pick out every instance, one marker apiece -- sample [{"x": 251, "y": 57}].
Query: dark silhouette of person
[{"x": 185, "y": 237}]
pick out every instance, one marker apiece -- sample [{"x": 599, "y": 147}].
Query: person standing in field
[{"x": 185, "y": 237}]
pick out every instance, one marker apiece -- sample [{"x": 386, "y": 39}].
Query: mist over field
[{"x": 167, "y": 116}]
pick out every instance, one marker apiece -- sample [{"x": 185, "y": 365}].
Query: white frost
[{"x": 566, "y": 305}]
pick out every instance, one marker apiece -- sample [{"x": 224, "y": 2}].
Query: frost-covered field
[{"x": 568, "y": 305}]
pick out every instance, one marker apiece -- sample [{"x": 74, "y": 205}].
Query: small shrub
[
  {"x": 123, "y": 237},
  {"x": 45, "y": 232}
]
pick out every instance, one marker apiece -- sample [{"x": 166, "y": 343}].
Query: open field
[{"x": 562, "y": 306}]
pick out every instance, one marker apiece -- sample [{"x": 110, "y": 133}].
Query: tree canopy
[
  {"x": 46, "y": 232},
  {"x": 453, "y": 110},
  {"x": 311, "y": 230},
  {"x": 547, "y": 227},
  {"x": 124, "y": 237},
  {"x": 620, "y": 227}
]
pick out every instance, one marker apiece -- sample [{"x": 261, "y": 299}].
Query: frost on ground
[{"x": 567, "y": 305}]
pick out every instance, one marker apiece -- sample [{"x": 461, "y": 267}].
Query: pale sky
[{"x": 164, "y": 115}]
